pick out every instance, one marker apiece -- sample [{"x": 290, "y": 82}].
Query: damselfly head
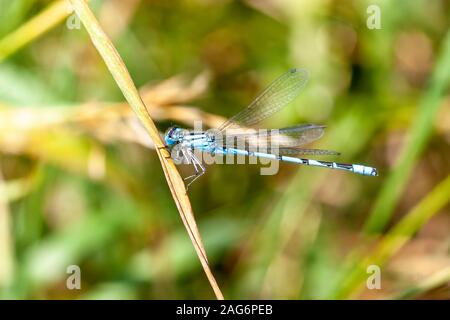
[{"x": 173, "y": 135}]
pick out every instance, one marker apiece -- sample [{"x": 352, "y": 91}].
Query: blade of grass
[
  {"x": 130, "y": 92},
  {"x": 397, "y": 237},
  {"x": 34, "y": 28},
  {"x": 418, "y": 137}
]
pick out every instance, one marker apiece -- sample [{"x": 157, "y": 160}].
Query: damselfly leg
[{"x": 190, "y": 158}]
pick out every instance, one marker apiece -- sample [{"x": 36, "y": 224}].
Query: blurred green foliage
[{"x": 297, "y": 234}]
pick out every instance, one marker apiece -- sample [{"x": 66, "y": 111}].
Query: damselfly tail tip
[
  {"x": 374, "y": 172},
  {"x": 365, "y": 171},
  {"x": 369, "y": 171}
]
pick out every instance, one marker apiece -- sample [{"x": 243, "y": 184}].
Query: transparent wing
[
  {"x": 286, "y": 137},
  {"x": 274, "y": 98}
]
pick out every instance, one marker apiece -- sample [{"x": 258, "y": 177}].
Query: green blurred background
[{"x": 79, "y": 184}]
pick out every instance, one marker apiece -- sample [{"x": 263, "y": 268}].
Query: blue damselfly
[{"x": 234, "y": 138}]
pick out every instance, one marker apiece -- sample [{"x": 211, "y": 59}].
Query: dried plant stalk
[{"x": 129, "y": 90}]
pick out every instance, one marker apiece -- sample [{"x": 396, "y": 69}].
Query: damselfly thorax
[{"x": 190, "y": 139}]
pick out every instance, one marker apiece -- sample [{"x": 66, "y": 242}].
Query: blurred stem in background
[
  {"x": 54, "y": 14},
  {"x": 400, "y": 234},
  {"x": 6, "y": 239},
  {"x": 419, "y": 135},
  {"x": 430, "y": 283}
]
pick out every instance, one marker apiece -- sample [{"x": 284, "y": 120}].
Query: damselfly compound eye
[{"x": 171, "y": 136}]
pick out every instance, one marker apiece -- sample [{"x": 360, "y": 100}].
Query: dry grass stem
[{"x": 129, "y": 90}]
